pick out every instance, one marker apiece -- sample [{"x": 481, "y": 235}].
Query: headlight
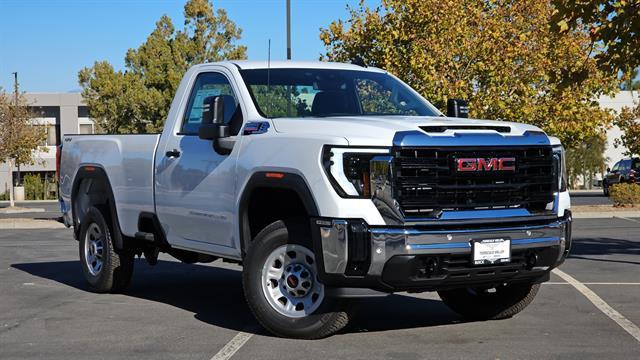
[
  {"x": 348, "y": 169},
  {"x": 560, "y": 167}
]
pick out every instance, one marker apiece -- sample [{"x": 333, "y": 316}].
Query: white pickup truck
[{"x": 326, "y": 182}]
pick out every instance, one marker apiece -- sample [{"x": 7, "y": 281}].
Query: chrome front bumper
[{"x": 339, "y": 243}]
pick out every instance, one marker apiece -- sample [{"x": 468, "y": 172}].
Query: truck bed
[{"x": 128, "y": 161}]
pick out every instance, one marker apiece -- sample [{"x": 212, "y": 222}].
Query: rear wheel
[
  {"x": 496, "y": 303},
  {"x": 282, "y": 289},
  {"x": 104, "y": 269}
]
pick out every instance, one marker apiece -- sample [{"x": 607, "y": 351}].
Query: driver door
[{"x": 195, "y": 185}]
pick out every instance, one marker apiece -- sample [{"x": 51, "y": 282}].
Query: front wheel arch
[{"x": 299, "y": 203}]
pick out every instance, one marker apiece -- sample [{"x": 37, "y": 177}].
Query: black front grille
[{"x": 427, "y": 181}]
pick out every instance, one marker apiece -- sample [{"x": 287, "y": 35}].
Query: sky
[{"x": 48, "y": 41}]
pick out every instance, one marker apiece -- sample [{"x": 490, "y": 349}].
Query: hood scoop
[{"x": 443, "y": 128}]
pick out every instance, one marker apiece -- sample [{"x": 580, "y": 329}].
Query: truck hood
[{"x": 381, "y": 130}]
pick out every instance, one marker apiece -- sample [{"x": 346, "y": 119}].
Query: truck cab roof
[{"x": 291, "y": 64}]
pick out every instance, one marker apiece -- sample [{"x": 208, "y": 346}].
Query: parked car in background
[{"x": 624, "y": 171}]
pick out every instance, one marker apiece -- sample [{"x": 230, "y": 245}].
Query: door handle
[{"x": 173, "y": 153}]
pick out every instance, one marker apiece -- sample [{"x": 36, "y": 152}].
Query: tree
[
  {"x": 586, "y": 159},
  {"x": 613, "y": 23},
  {"x": 501, "y": 55},
  {"x": 19, "y": 135},
  {"x": 629, "y": 82},
  {"x": 137, "y": 100},
  {"x": 629, "y": 122}
]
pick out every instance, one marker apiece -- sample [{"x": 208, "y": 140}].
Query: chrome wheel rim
[
  {"x": 290, "y": 281},
  {"x": 94, "y": 249}
]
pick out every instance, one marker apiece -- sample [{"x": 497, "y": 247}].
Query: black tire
[
  {"x": 605, "y": 188},
  {"x": 331, "y": 316},
  {"x": 117, "y": 267},
  {"x": 482, "y": 304}
]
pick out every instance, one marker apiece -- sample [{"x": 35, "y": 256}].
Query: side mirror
[
  {"x": 213, "y": 127},
  {"x": 608, "y": 169},
  {"x": 457, "y": 108},
  {"x": 213, "y": 110}
]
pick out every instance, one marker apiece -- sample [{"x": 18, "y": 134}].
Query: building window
[
  {"x": 51, "y": 138},
  {"x": 86, "y": 129},
  {"x": 45, "y": 111},
  {"x": 83, "y": 111}
]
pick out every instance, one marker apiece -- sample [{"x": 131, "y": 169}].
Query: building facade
[
  {"x": 60, "y": 113},
  {"x": 616, "y": 103}
]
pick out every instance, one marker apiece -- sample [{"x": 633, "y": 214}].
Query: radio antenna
[{"x": 269, "y": 74}]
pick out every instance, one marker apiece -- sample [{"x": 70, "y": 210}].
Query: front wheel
[
  {"x": 605, "y": 188},
  {"x": 496, "y": 303},
  {"x": 282, "y": 288}
]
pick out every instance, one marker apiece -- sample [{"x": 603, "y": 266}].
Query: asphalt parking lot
[{"x": 198, "y": 311}]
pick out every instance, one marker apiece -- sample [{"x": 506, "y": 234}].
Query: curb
[
  {"x": 606, "y": 215},
  {"x": 30, "y": 224},
  {"x": 20, "y": 211}
]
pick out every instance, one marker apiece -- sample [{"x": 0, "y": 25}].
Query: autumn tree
[
  {"x": 501, "y": 55},
  {"x": 612, "y": 25},
  {"x": 19, "y": 134},
  {"x": 629, "y": 122},
  {"x": 137, "y": 100}
]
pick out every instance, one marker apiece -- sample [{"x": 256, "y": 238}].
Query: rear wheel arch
[
  {"x": 92, "y": 188},
  {"x": 266, "y": 199}
]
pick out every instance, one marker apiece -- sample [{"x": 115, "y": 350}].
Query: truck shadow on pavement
[
  {"x": 584, "y": 248},
  {"x": 215, "y": 296}
]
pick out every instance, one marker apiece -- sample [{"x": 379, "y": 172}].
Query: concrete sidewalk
[
  {"x": 604, "y": 212},
  {"x": 20, "y": 223}
]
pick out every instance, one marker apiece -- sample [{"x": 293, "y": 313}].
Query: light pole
[
  {"x": 15, "y": 87},
  {"x": 288, "y": 29}
]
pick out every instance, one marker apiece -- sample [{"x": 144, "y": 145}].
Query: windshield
[{"x": 325, "y": 92}]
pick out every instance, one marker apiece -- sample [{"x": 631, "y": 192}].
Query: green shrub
[
  {"x": 625, "y": 194},
  {"x": 33, "y": 187}
]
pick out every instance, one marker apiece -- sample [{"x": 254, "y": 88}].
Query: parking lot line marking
[
  {"x": 232, "y": 346},
  {"x": 595, "y": 283},
  {"x": 614, "y": 315},
  {"x": 628, "y": 219}
]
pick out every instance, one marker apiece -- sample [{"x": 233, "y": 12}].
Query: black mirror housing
[
  {"x": 457, "y": 108},
  {"x": 213, "y": 131}
]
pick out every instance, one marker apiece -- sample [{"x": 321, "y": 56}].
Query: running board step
[{"x": 140, "y": 235}]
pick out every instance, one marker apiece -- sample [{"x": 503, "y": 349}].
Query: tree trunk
[{"x": 11, "y": 201}]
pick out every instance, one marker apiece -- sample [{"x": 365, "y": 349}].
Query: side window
[
  {"x": 616, "y": 167},
  {"x": 206, "y": 85},
  {"x": 636, "y": 165},
  {"x": 626, "y": 165}
]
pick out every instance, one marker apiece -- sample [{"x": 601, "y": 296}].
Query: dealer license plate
[{"x": 491, "y": 251}]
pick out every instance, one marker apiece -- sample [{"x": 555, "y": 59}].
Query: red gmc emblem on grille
[{"x": 486, "y": 164}]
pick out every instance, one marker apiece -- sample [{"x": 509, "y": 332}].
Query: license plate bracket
[{"x": 491, "y": 251}]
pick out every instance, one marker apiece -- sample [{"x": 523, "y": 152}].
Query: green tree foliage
[
  {"x": 137, "y": 100},
  {"x": 630, "y": 83},
  {"x": 586, "y": 159},
  {"x": 501, "y": 55},
  {"x": 19, "y": 134},
  {"x": 629, "y": 122},
  {"x": 33, "y": 187},
  {"x": 613, "y": 23}
]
